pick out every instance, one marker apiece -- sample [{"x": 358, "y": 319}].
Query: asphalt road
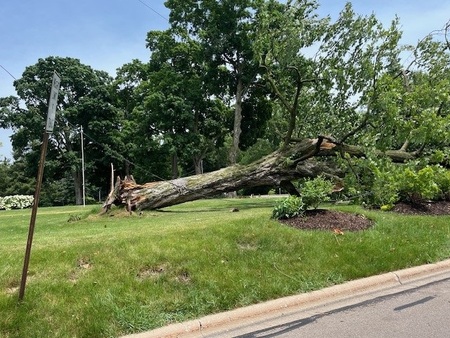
[{"x": 410, "y": 311}]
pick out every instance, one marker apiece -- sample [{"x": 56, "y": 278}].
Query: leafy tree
[
  {"x": 224, "y": 31},
  {"x": 325, "y": 75},
  {"x": 145, "y": 156},
  {"x": 191, "y": 119},
  {"x": 13, "y": 179},
  {"x": 340, "y": 91},
  {"x": 171, "y": 105},
  {"x": 84, "y": 102}
]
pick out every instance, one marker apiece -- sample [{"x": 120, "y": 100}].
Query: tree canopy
[
  {"x": 84, "y": 102},
  {"x": 232, "y": 81}
]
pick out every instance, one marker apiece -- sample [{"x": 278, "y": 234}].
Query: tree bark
[
  {"x": 174, "y": 164},
  {"x": 237, "y": 121},
  {"x": 198, "y": 164},
  {"x": 78, "y": 186},
  {"x": 302, "y": 159}
]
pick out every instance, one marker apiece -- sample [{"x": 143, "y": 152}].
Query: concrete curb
[{"x": 310, "y": 299}]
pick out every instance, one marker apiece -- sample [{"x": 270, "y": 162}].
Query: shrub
[
  {"x": 409, "y": 184},
  {"x": 313, "y": 192},
  {"x": 442, "y": 178},
  {"x": 289, "y": 207},
  {"x": 417, "y": 186},
  {"x": 384, "y": 189},
  {"x": 386, "y": 183},
  {"x": 316, "y": 191},
  {"x": 16, "y": 202}
]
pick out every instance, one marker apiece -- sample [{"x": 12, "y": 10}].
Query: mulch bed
[
  {"x": 338, "y": 222},
  {"x": 431, "y": 208}
]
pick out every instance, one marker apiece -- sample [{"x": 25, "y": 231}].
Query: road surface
[{"x": 420, "y": 311}]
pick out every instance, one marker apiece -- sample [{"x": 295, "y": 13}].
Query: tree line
[{"x": 228, "y": 83}]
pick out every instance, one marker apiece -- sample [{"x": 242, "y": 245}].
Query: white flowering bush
[{"x": 16, "y": 202}]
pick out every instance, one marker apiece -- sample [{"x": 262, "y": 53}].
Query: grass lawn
[{"x": 105, "y": 276}]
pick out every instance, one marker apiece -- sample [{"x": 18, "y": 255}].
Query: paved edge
[{"x": 310, "y": 299}]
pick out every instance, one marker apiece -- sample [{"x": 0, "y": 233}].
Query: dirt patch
[
  {"x": 183, "y": 277},
  {"x": 83, "y": 265},
  {"x": 332, "y": 220},
  {"x": 152, "y": 272}
]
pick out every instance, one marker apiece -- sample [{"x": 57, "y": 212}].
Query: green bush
[
  {"x": 384, "y": 189},
  {"x": 381, "y": 183},
  {"x": 442, "y": 178},
  {"x": 394, "y": 183},
  {"x": 289, "y": 207},
  {"x": 316, "y": 191},
  {"x": 417, "y": 186}
]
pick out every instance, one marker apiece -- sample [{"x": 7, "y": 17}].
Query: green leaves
[
  {"x": 289, "y": 207},
  {"x": 313, "y": 192},
  {"x": 356, "y": 53},
  {"x": 386, "y": 183},
  {"x": 84, "y": 100},
  {"x": 316, "y": 191}
]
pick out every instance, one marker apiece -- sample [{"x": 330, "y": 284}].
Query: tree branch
[{"x": 293, "y": 109}]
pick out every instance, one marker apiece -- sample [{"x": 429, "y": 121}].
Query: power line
[
  {"x": 6, "y": 70},
  {"x": 152, "y": 9},
  {"x": 115, "y": 154},
  {"x": 111, "y": 152}
]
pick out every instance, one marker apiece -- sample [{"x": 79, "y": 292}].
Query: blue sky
[{"x": 107, "y": 34}]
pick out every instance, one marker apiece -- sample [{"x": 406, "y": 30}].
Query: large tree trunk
[
  {"x": 302, "y": 159},
  {"x": 237, "y": 130},
  {"x": 174, "y": 165},
  {"x": 78, "y": 186},
  {"x": 237, "y": 122},
  {"x": 198, "y": 164}
]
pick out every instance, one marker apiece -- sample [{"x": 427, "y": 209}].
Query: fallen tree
[
  {"x": 300, "y": 159},
  {"x": 354, "y": 88}
]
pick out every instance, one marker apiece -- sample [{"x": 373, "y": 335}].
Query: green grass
[{"x": 105, "y": 276}]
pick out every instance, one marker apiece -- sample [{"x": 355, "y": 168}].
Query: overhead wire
[
  {"x": 152, "y": 9},
  {"x": 7, "y": 71}
]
